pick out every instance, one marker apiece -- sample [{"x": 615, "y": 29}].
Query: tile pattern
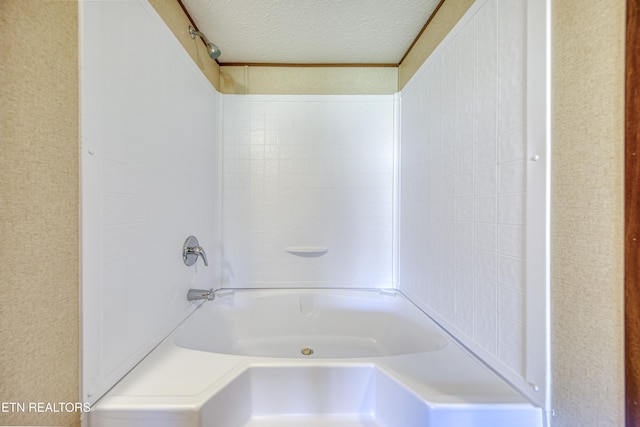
[
  {"x": 463, "y": 183},
  {"x": 310, "y": 171}
]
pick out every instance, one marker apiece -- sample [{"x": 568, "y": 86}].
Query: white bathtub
[
  {"x": 267, "y": 358},
  {"x": 331, "y": 323}
]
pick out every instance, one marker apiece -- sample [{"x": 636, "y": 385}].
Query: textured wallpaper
[
  {"x": 39, "y": 323},
  {"x": 587, "y": 213},
  {"x": 308, "y": 80}
]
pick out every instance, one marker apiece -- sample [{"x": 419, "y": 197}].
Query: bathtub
[{"x": 313, "y": 357}]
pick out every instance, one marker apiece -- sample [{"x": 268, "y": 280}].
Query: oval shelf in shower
[{"x": 307, "y": 251}]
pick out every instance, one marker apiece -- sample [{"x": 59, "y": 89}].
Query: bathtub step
[{"x": 315, "y": 421}]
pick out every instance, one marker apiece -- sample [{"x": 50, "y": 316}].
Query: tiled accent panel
[
  {"x": 308, "y": 171},
  {"x": 462, "y": 213},
  {"x": 150, "y": 150}
]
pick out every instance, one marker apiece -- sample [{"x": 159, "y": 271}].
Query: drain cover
[{"x": 307, "y": 351}]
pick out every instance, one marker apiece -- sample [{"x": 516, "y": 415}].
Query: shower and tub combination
[
  {"x": 318, "y": 357},
  {"x": 365, "y": 260}
]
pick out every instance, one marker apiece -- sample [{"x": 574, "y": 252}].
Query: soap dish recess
[{"x": 307, "y": 251}]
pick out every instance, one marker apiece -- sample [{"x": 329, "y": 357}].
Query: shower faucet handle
[
  {"x": 192, "y": 250},
  {"x": 199, "y": 251}
]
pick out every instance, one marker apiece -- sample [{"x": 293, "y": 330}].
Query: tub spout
[{"x": 199, "y": 294}]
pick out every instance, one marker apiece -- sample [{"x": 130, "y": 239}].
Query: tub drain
[{"x": 306, "y": 351}]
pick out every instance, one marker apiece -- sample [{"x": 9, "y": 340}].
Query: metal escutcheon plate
[{"x": 189, "y": 257}]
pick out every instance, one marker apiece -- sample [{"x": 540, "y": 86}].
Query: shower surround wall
[
  {"x": 159, "y": 143},
  {"x": 308, "y": 171},
  {"x": 464, "y": 228},
  {"x": 150, "y": 149}
]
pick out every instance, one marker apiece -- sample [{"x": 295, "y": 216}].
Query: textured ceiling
[{"x": 311, "y": 31}]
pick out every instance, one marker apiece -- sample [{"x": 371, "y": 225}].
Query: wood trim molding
[
  {"x": 632, "y": 215},
  {"x": 186, "y": 12},
  {"x": 424, "y": 27},
  {"x": 268, "y": 64}
]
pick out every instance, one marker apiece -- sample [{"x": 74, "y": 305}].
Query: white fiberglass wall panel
[
  {"x": 308, "y": 172},
  {"x": 150, "y": 178},
  {"x": 464, "y": 191}
]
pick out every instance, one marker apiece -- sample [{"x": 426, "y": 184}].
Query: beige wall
[
  {"x": 309, "y": 80},
  {"x": 587, "y": 212},
  {"x": 39, "y": 323}
]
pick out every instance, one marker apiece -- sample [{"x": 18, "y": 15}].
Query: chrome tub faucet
[{"x": 200, "y": 294}]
